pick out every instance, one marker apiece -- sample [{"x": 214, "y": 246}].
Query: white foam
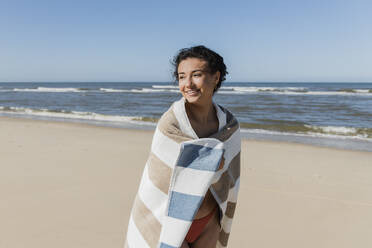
[
  {"x": 44, "y": 89},
  {"x": 148, "y": 90},
  {"x": 288, "y": 91},
  {"x": 73, "y": 115},
  {"x": 165, "y": 87},
  {"x": 334, "y": 135},
  {"x": 230, "y": 92},
  {"x": 114, "y": 90},
  {"x": 363, "y": 91},
  {"x": 223, "y": 90},
  {"x": 331, "y": 93},
  {"x": 265, "y": 89},
  {"x": 333, "y": 129},
  {"x": 142, "y": 90}
]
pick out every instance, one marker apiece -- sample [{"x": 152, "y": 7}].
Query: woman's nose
[{"x": 189, "y": 81}]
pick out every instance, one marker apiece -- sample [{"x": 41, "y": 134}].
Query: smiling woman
[
  {"x": 188, "y": 191},
  {"x": 200, "y": 72}
]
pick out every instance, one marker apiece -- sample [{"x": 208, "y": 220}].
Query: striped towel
[{"x": 179, "y": 171}]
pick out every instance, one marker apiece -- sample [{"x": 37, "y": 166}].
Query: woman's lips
[{"x": 192, "y": 92}]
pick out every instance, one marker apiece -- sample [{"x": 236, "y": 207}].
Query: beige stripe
[
  {"x": 169, "y": 126},
  {"x": 227, "y": 179},
  {"x": 230, "y": 209},
  {"x": 222, "y": 186},
  {"x": 234, "y": 167},
  {"x": 146, "y": 223},
  {"x": 224, "y": 237},
  {"x": 159, "y": 173}
]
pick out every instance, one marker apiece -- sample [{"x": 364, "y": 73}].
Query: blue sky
[{"x": 267, "y": 40}]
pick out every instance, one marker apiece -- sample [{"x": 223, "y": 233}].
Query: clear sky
[{"x": 263, "y": 40}]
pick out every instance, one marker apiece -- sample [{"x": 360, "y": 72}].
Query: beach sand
[{"x": 72, "y": 185}]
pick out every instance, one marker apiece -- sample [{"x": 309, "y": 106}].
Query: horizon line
[{"x": 172, "y": 82}]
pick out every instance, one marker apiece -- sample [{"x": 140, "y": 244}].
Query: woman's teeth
[{"x": 192, "y": 92}]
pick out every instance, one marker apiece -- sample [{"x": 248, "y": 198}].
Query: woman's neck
[{"x": 201, "y": 113}]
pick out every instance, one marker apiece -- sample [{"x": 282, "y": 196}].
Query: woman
[{"x": 188, "y": 191}]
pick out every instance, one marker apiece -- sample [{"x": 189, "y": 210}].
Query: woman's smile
[{"x": 192, "y": 92}]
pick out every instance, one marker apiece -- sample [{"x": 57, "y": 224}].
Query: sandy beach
[{"x": 72, "y": 185}]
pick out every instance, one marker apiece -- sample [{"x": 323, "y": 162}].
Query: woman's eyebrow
[{"x": 192, "y": 71}]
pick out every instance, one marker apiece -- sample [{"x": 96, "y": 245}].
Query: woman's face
[{"x": 195, "y": 82}]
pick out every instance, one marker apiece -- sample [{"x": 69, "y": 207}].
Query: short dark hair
[{"x": 214, "y": 61}]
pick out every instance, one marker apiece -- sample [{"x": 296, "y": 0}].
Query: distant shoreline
[
  {"x": 339, "y": 144},
  {"x": 172, "y": 82}
]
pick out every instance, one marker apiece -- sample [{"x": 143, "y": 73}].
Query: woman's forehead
[{"x": 191, "y": 64}]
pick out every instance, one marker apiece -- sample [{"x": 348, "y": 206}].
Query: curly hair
[{"x": 214, "y": 61}]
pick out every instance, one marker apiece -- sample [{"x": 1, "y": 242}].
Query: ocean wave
[
  {"x": 230, "y": 92},
  {"x": 44, "y": 89},
  {"x": 265, "y": 89},
  {"x": 363, "y": 91},
  {"x": 165, "y": 86},
  {"x": 342, "y": 93},
  {"x": 149, "y": 90},
  {"x": 142, "y": 90},
  {"x": 313, "y": 135},
  {"x": 108, "y": 90},
  {"x": 60, "y": 113},
  {"x": 113, "y": 90},
  {"x": 363, "y": 133},
  {"x": 279, "y": 127},
  {"x": 335, "y": 130},
  {"x": 284, "y": 127},
  {"x": 223, "y": 90},
  {"x": 291, "y": 91}
]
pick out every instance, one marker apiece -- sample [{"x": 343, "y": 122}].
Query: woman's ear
[{"x": 217, "y": 77}]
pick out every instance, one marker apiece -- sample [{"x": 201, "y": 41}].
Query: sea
[{"x": 337, "y": 115}]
